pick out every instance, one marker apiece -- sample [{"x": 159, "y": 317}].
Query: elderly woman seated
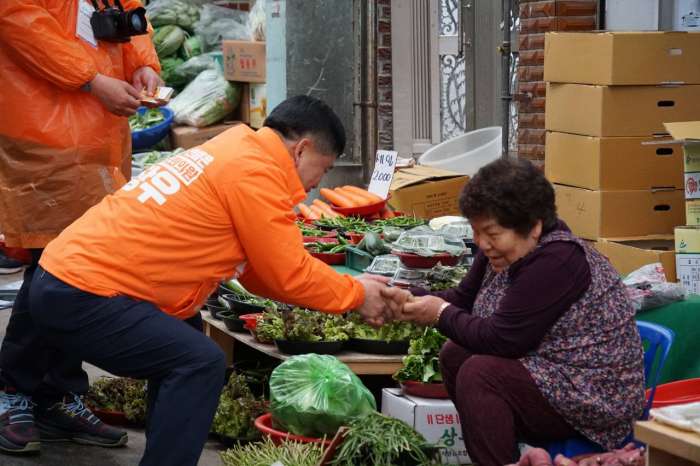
[{"x": 543, "y": 344}]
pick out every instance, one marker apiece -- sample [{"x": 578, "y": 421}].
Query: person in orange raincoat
[{"x": 64, "y": 144}]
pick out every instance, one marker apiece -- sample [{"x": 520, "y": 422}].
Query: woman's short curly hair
[{"x": 513, "y": 192}]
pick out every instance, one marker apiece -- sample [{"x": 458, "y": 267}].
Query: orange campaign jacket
[
  {"x": 61, "y": 151},
  {"x": 216, "y": 211}
]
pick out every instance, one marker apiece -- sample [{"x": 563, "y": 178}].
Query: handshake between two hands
[{"x": 384, "y": 303}]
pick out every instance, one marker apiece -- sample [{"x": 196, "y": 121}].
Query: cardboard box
[
  {"x": 615, "y": 214},
  {"x": 242, "y": 112},
  {"x": 688, "y": 257},
  {"x": 688, "y": 133},
  {"x": 257, "y": 104},
  {"x": 629, "y": 254},
  {"x": 437, "y": 420},
  {"x": 612, "y": 163},
  {"x": 614, "y": 58},
  {"x": 692, "y": 212},
  {"x": 692, "y": 185},
  {"x": 426, "y": 192},
  {"x": 244, "y": 61},
  {"x": 635, "y": 111},
  {"x": 190, "y": 136}
]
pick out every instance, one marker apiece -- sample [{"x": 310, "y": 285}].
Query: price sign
[{"x": 384, "y": 165}]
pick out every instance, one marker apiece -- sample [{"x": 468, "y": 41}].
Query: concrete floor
[{"x": 70, "y": 454}]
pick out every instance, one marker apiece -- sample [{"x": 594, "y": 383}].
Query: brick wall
[
  {"x": 536, "y": 18},
  {"x": 384, "y": 103}
]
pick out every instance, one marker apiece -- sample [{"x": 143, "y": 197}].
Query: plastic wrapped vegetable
[
  {"x": 187, "y": 71},
  {"x": 168, "y": 67},
  {"x": 168, "y": 39},
  {"x": 191, "y": 47},
  {"x": 218, "y": 23},
  {"x": 314, "y": 394},
  {"x": 206, "y": 100},
  {"x": 184, "y": 13}
]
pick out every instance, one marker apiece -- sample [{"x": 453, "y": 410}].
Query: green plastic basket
[{"x": 357, "y": 259}]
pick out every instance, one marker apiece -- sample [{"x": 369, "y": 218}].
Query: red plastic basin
[
  {"x": 264, "y": 425},
  {"x": 415, "y": 261},
  {"x": 425, "y": 390},
  {"x": 676, "y": 393}
]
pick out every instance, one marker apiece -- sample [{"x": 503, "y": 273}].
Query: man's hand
[
  {"x": 119, "y": 97},
  {"x": 373, "y": 310},
  {"x": 146, "y": 78},
  {"x": 395, "y": 299},
  {"x": 421, "y": 310}
]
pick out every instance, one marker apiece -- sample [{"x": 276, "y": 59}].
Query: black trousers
[
  {"x": 132, "y": 338},
  {"x": 65, "y": 374}
]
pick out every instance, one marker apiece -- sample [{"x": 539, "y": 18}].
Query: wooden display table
[
  {"x": 667, "y": 446},
  {"x": 359, "y": 363}
]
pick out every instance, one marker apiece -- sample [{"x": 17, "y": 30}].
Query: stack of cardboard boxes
[
  {"x": 688, "y": 237},
  {"x": 243, "y": 62},
  {"x": 617, "y": 175}
]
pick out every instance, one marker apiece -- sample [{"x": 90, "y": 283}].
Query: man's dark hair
[
  {"x": 304, "y": 115},
  {"x": 513, "y": 192}
]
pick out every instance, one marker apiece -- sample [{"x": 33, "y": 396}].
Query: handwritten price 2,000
[{"x": 379, "y": 176}]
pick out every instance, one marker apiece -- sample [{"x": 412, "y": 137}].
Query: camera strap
[{"x": 83, "y": 28}]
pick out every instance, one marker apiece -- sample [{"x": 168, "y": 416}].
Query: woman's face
[{"x": 503, "y": 246}]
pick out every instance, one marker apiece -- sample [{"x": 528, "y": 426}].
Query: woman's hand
[{"x": 422, "y": 310}]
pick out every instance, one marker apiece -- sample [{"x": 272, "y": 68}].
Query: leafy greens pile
[
  {"x": 120, "y": 394},
  {"x": 237, "y": 410},
  {"x": 149, "y": 118},
  {"x": 393, "y": 331},
  {"x": 422, "y": 362}
]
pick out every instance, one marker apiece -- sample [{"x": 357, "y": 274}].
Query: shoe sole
[
  {"x": 52, "y": 435},
  {"x": 9, "y": 447},
  {"x": 8, "y": 271}
]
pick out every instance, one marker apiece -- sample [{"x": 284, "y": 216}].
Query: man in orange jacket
[
  {"x": 115, "y": 287},
  {"x": 64, "y": 144}
]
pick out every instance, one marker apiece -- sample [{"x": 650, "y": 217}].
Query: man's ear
[{"x": 298, "y": 149}]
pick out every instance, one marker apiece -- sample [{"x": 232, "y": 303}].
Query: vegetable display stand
[
  {"x": 304, "y": 347},
  {"x": 359, "y": 363}
]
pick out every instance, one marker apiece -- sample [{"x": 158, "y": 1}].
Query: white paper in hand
[{"x": 384, "y": 165}]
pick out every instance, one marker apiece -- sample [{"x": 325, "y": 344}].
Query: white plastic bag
[
  {"x": 256, "y": 22},
  {"x": 206, "y": 100},
  {"x": 647, "y": 288},
  {"x": 217, "y": 23}
]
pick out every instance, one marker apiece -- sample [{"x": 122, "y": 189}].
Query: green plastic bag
[{"x": 313, "y": 395}]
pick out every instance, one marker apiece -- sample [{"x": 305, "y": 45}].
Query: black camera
[{"x": 113, "y": 24}]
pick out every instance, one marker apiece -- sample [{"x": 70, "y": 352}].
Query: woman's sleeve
[{"x": 541, "y": 290}]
